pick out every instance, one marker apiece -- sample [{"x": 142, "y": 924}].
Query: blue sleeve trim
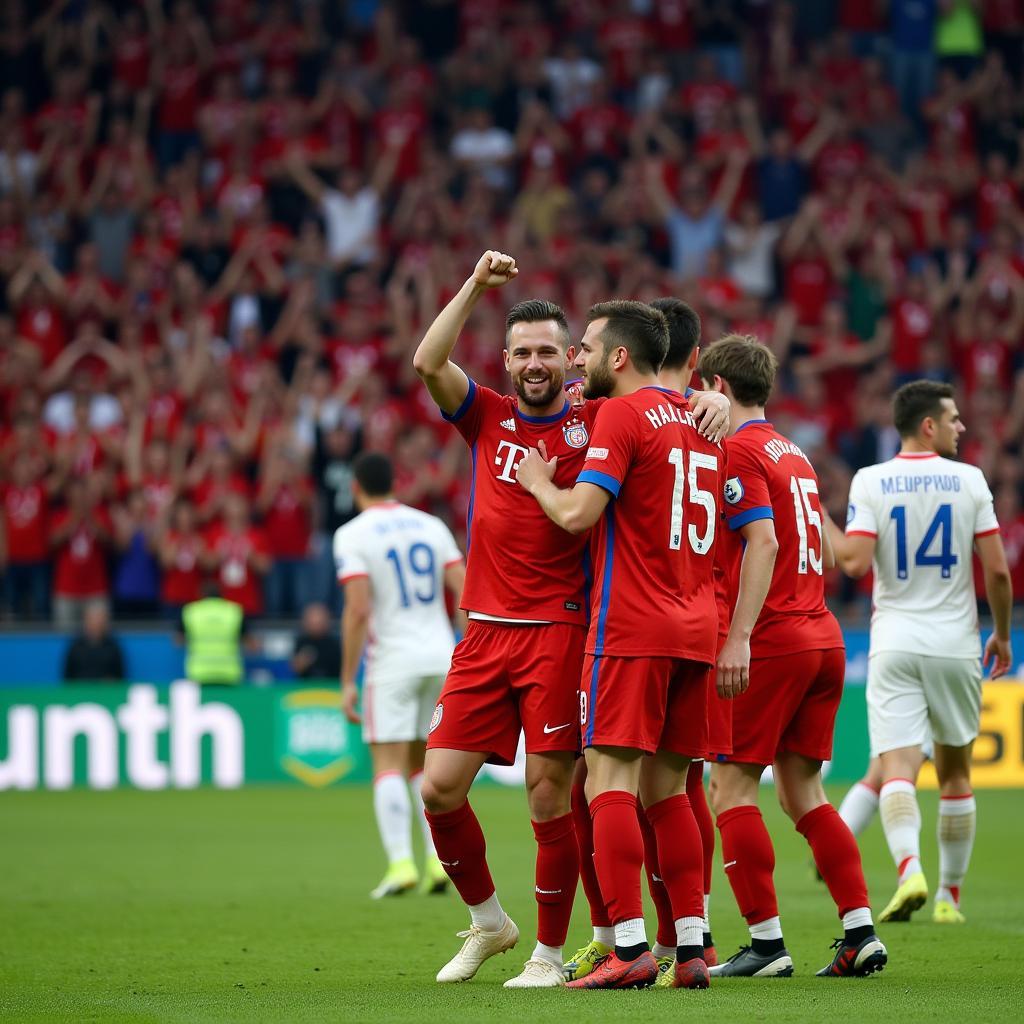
[
  {"x": 751, "y": 515},
  {"x": 464, "y": 408},
  {"x": 609, "y": 483}
]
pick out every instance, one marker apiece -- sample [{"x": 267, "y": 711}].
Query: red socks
[
  {"x": 460, "y": 846},
  {"x": 588, "y": 873},
  {"x": 619, "y": 853},
  {"x": 702, "y": 814},
  {"x": 655, "y": 880},
  {"x": 679, "y": 857},
  {"x": 557, "y": 871},
  {"x": 836, "y": 856},
  {"x": 749, "y": 862}
]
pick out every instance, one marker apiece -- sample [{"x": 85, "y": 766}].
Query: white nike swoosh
[
  {"x": 452, "y": 864},
  {"x": 547, "y": 892},
  {"x": 550, "y": 729},
  {"x": 729, "y": 865},
  {"x": 656, "y": 878}
]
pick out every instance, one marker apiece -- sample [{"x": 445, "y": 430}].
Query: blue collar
[
  {"x": 750, "y": 423},
  {"x": 664, "y": 391}
]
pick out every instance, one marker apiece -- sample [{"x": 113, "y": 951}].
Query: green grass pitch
[{"x": 252, "y": 906}]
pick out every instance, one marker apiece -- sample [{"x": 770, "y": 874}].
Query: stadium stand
[{"x": 223, "y": 226}]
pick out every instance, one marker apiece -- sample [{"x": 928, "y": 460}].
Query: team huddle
[{"x": 644, "y": 583}]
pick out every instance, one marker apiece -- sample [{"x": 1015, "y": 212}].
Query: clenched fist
[{"x": 494, "y": 269}]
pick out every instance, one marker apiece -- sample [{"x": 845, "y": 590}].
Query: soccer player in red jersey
[
  {"x": 676, "y": 373},
  {"x": 650, "y": 489},
  {"x": 797, "y": 665}
]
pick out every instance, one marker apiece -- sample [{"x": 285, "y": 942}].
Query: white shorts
[
  {"x": 913, "y": 698},
  {"x": 396, "y": 710}
]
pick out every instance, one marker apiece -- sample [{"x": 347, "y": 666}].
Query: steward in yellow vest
[{"x": 213, "y": 629}]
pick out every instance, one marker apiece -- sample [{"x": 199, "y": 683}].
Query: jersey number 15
[{"x": 687, "y": 480}]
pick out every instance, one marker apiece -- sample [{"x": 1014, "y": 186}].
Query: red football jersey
[
  {"x": 653, "y": 550},
  {"x": 728, "y": 559},
  {"x": 769, "y": 477},
  {"x": 519, "y": 565}
]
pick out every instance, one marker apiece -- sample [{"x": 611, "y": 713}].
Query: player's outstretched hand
[
  {"x": 494, "y": 269},
  {"x": 1000, "y": 654},
  {"x": 733, "y": 669},
  {"x": 349, "y": 700},
  {"x": 536, "y": 468},
  {"x": 711, "y": 411}
]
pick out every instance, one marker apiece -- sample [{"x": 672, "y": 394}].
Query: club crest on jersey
[
  {"x": 733, "y": 490},
  {"x": 435, "y": 718},
  {"x": 576, "y": 435}
]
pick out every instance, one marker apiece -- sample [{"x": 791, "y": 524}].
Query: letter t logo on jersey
[{"x": 510, "y": 460}]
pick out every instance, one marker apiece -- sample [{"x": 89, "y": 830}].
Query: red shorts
[
  {"x": 646, "y": 704},
  {"x": 719, "y": 715},
  {"x": 790, "y": 706},
  {"x": 506, "y": 678}
]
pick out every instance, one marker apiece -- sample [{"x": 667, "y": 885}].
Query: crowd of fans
[{"x": 223, "y": 227}]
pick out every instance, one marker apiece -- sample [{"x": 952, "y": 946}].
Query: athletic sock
[
  {"x": 416, "y": 786},
  {"x": 655, "y": 881},
  {"x": 552, "y": 954},
  {"x": 487, "y": 915},
  {"x": 394, "y": 815},
  {"x": 836, "y": 856},
  {"x": 618, "y": 857},
  {"x": 660, "y": 950},
  {"x": 749, "y": 863},
  {"x": 958, "y": 822},
  {"x": 630, "y": 938},
  {"x": 557, "y": 872},
  {"x": 605, "y": 934},
  {"x": 688, "y": 935},
  {"x": 588, "y": 873},
  {"x": 858, "y": 807},
  {"x": 901, "y": 820},
  {"x": 680, "y": 860},
  {"x": 857, "y": 926},
  {"x": 462, "y": 850},
  {"x": 708, "y": 940},
  {"x": 766, "y": 936}
]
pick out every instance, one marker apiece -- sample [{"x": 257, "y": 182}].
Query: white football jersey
[
  {"x": 925, "y": 512},
  {"x": 404, "y": 553}
]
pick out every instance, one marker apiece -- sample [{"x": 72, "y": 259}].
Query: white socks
[
  {"x": 394, "y": 815},
  {"x": 859, "y": 918},
  {"x": 604, "y": 935},
  {"x": 707, "y": 919},
  {"x": 958, "y": 820},
  {"x": 631, "y": 932},
  {"x": 415, "y": 784},
  {"x": 901, "y": 820},
  {"x": 552, "y": 954},
  {"x": 689, "y": 931},
  {"x": 858, "y": 807},
  {"x": 660, "y": 951},
  {"x": 769, "y": 929},
  {"x": 488, "y": 915}
]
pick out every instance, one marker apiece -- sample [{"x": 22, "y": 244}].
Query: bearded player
[
  {"x": 797, "y": 666},
  {"x": 518, "y": 667},
  {"x": 650, "y": 489}
]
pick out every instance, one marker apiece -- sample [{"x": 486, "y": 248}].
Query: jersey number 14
[{"x": 940, "y": 526}]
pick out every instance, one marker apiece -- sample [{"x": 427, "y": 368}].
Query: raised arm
[{"x": 447, "y": 383}]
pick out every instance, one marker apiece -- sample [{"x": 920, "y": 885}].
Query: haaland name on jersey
[
  {"x": 659, "y": 415},
  {"x": 919, "y": 484}
]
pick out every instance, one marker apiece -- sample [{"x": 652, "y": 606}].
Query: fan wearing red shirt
[
  {"x": 79, "y": 536},
  {"x": 24, "y": 537},
  {"x": 650, "y": 489},
  {"x": 797, "y": 666},
  {"x": 285, "y": 501},
  {"x": 181, "y": 553},
  {"x": 237, "y": 553}
]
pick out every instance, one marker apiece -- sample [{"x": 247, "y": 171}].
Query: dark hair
[
  {"x": 747, "y": 366},
  {"x": 637, "y": 327},
  {"x": 374, "y": 474},
  {"x": 536, "y": 311},
  {"x": 683, "y": 330},
  {"x": 916, "y": 401}
]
